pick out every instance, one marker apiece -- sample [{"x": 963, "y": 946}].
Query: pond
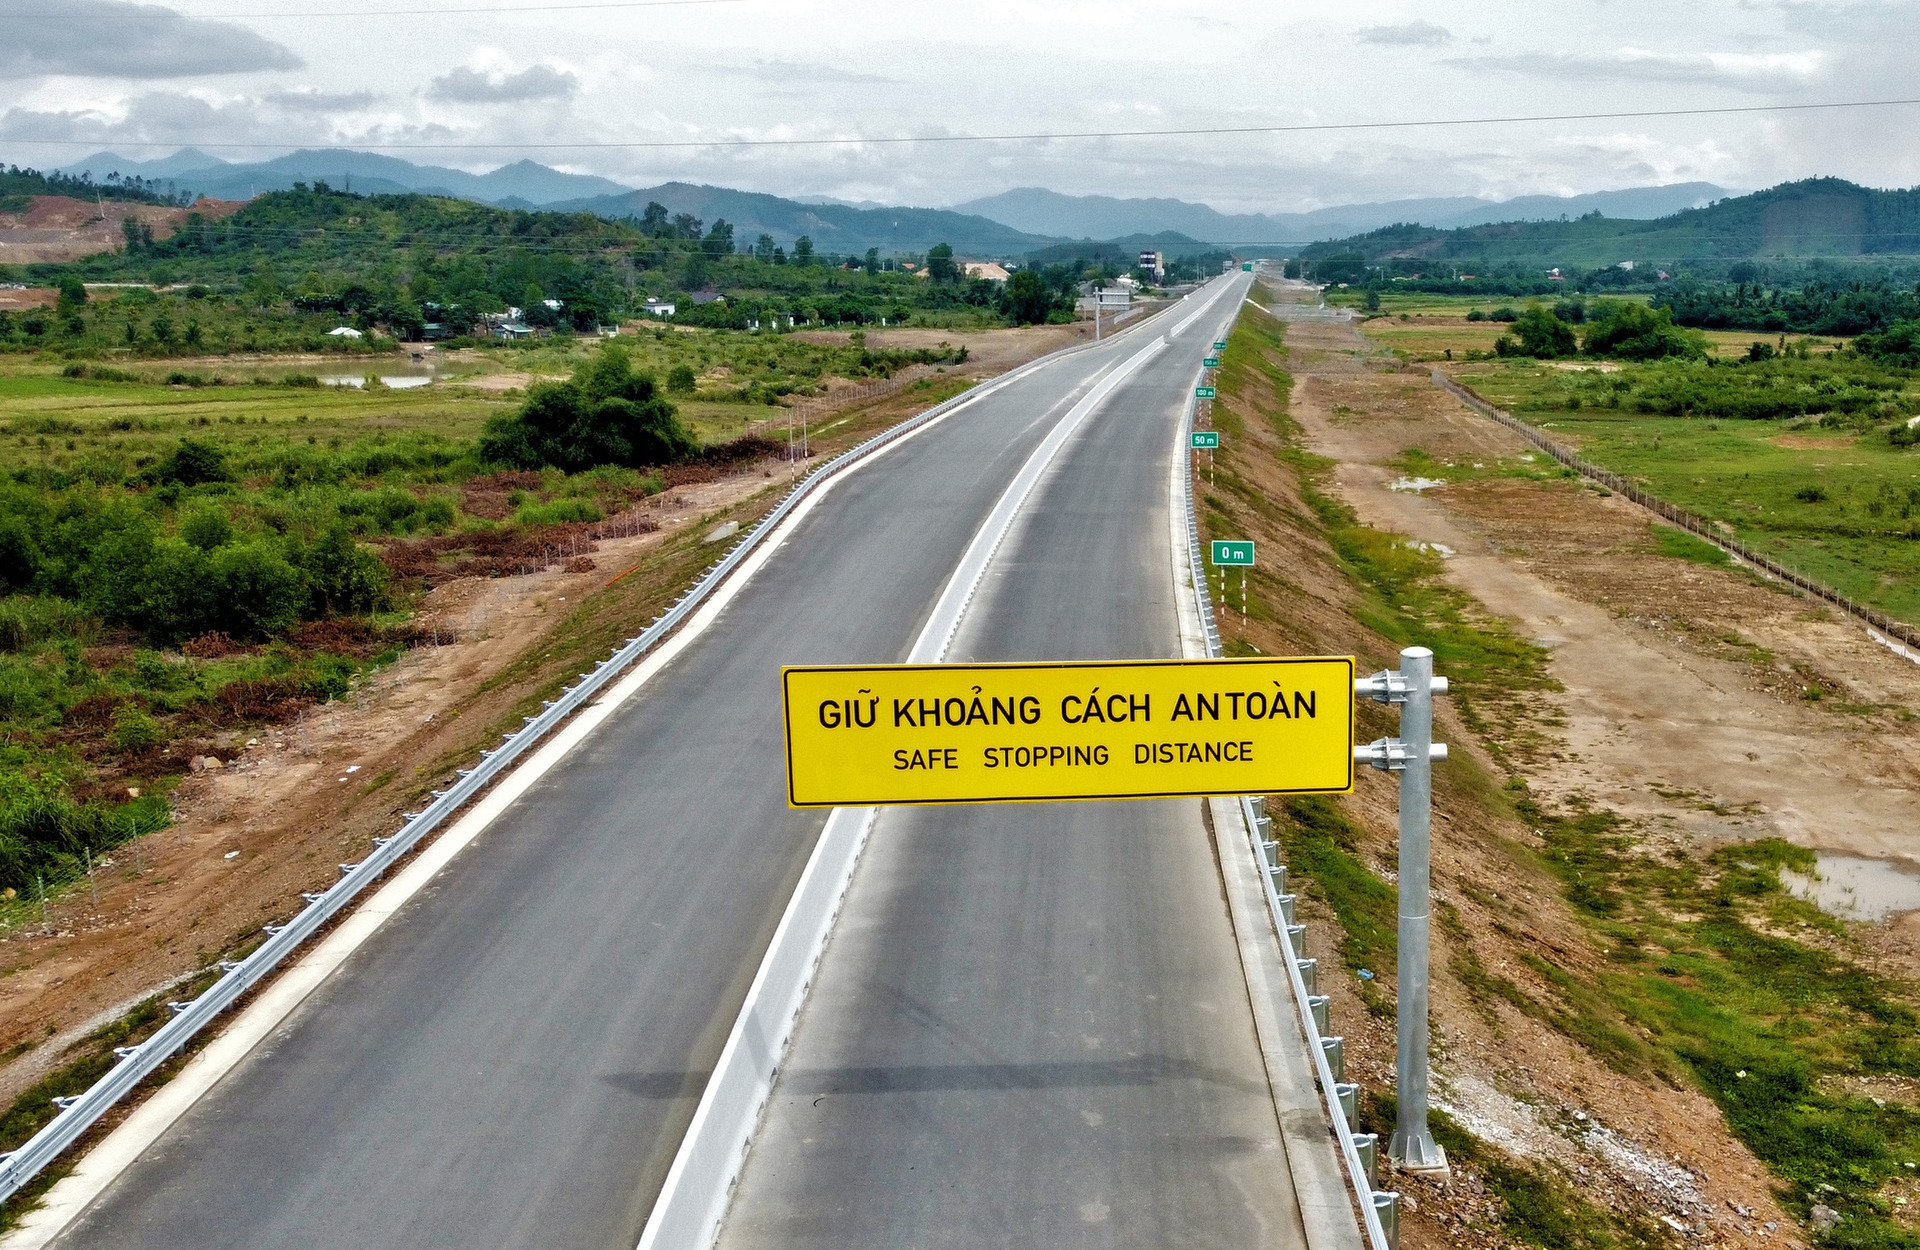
[{"x": 1852, "y": 888}]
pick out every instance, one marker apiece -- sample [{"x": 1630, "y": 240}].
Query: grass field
[{"x": 1839, "y": 502}]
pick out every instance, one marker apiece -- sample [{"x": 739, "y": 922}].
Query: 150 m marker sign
[{"x": 990, "y": 733}]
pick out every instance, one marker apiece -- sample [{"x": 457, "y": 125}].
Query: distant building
[
  {"x": 988, "y": 270},
  {"x": 344, "y": 332},
  {"x": 1154, "y": 263},
  {"x": 1626, "y": 265},
  {"x": 657, "y": 308}
]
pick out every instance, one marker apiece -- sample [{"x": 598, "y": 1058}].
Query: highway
[
  {"x": 1030, "y": 1027},
  {"x": 1036, "y": 1006}
]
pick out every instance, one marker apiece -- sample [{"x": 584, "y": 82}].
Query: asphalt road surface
[
  {"x": 512, "y": 1060},
  {"x": 1030, "y": 1027}
]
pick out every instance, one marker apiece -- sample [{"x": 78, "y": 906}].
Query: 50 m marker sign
[{"x": 993, "y": 733}]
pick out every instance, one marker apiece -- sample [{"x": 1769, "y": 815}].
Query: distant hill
[
  {"x": 838, "y": 228},
  {"x": 1039, "y": 211},
  {"x": 1124, "y": 250},
  {"x": 523, "y": 184},
  {"x": 1816, "y": 217}
]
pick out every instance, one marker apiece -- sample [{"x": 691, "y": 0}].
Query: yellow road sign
[{"x": 988, "y": 733}]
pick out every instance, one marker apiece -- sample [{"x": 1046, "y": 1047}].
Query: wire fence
[{"x": 1698, "y": 526}]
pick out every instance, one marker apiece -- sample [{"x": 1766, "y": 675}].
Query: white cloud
[
  {"x": 112, "y": 39},
  {"x": 1412, "y": 34},
  {"x": 1752, "y": 70},
  {"x": 465, "y": 85}
]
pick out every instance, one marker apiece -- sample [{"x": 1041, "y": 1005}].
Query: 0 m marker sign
[{"x": 995, "y": 733}]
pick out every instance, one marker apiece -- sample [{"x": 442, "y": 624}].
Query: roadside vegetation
[
  {"x": 189, "y": 555},
  {"x": 1703, "y": 972}
]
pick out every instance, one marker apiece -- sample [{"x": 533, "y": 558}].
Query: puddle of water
[
  {"x": 397, "y": 381},
  {"x": 1857, "y": 889},
  {"x": 1416, "y": 484}
]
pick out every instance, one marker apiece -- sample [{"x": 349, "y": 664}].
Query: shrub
[
  {"x": 1897, "y": 347},
  {"x": 343, "y": 577},
  {"x": 1636, "y": 332},
  {"x": 134, "y": 730},
  {"x": 206, "y": 528},
  {"x": 681, "y": 378},
  {"x": 606, "y": 414},
  {"x": 193, "y": 463},
  {"x": 1538, "y": 333}
]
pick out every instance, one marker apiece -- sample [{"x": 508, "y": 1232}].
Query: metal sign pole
[{"x": 1412, "y": 755}]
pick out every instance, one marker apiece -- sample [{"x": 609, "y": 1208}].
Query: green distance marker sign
[
  {"x": 1203, "y": 392},
  {"x": 1211, "y": 362},
  {"x": 1206, "y": 439},
  {"x": 1233, "y": 553},
  {"x": 1219, "y": 345}
]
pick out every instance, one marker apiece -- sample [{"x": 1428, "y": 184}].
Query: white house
[
  {"x": 657, "y": 308},
  {"x": 988, "y": 270}
]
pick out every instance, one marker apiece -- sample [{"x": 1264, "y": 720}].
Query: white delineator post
[{"x": 1411, "y": 755}]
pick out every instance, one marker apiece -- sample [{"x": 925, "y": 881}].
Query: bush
[
  {"x": 192, "y": 463},
  {"x": 681, "y": 379},
  {"x": 206, "y": 528},
  {"x": 607, "y": 414},
  {"x": 1538, "y": 333},
  {"x": 1898, "y": 347},
  {"x": 1626, "y": 331},
  {"x": 343, "y": 577}
]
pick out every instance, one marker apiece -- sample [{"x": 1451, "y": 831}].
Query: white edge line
[
  {"x": 694, "y": 1219},
  {"x": 71, "y": 1195}
]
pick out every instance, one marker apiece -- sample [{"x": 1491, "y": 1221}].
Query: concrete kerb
[{"x": 1328, "y": 1203}]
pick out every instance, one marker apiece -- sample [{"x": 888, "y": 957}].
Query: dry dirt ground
[
  {"x": 58, "y": 228},
  {"x": 299, "y": 799},
  {"x": 1683, "y": 708}
]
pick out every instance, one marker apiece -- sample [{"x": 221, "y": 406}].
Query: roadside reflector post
[{"x": 1411, "y": 755}]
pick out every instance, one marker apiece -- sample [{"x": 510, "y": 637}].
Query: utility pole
[{"x": 1411, "y": 755}]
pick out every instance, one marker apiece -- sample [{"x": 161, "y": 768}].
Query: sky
[{"x": 267, "y": 76}]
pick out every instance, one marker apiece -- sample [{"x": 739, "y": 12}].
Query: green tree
[
  {"x": 940, "y": 266},
  {"x": 803, "y": 251},
  {"x": 1537, "y": 332},
  {"x": 605, "y": 414},
  {"x": 193, "y": 463},
  {"x": 1028, "y": 301},
  {"x": 73, "y": 293},
  {"x": 1636, "y": 332},
  {"x": 872, "y": 264},
  {"x": 763, "y": 249},
  {"x": 719, "y": 240},
  {"x": 343, "y": 576}
]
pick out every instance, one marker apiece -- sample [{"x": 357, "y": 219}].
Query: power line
[
  {"x": 169, "y": 15},
  {"x": 1035, "y": 137}
]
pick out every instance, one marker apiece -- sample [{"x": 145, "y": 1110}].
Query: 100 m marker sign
[{"x": 990, "y": 733}]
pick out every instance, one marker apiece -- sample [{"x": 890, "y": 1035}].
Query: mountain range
[
  {"x": 1040, "y": 211},
  {"x": 1013, "y": 223},
  {"x": 1814, "y": 217}
]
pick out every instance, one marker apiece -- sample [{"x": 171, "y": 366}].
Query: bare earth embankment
[{"x": 1625, "y": 723}]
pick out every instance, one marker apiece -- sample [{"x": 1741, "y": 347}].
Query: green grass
[
  {"x": 1826, "y": 494},
  {"x": 1713, "y": 976}
]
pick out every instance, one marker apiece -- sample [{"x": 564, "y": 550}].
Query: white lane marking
[
  {"x": 938, "y": 634},
  {"x": 70, "y": 1196},
  {"x": 695, "y": 1196},
  {"x": 1201, "y": 311}
]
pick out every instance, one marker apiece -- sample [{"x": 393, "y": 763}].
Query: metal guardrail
[
  {"x": 1677, "y": 516},
  {"x": 136, "y": 1063},
  {"x": 1358, "y": 1151}
]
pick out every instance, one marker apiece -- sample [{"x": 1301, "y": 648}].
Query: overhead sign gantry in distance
[{"x": 987, "y": 733}]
